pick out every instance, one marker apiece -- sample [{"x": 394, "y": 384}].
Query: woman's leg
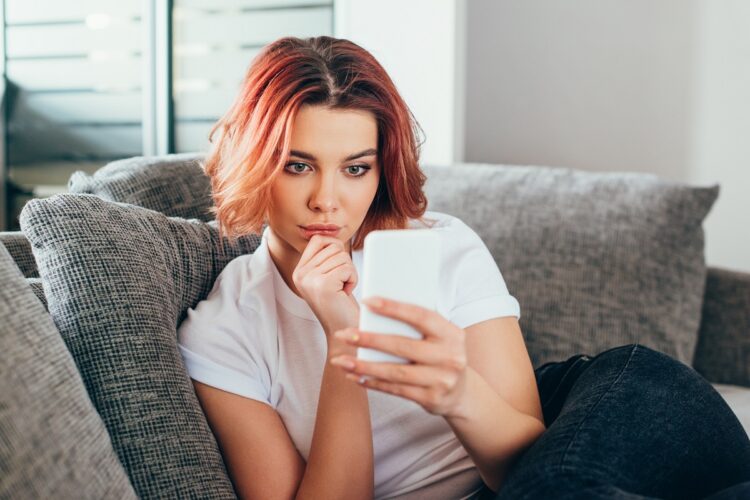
[{"x": 630, "y": 422}]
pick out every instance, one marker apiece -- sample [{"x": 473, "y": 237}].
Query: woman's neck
[{"x": 285, "y": 258}]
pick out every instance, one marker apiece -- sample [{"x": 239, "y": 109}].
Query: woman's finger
[
  {"x": 416, "y": 393},
  {"x": 347, "y": 274},
  {"x": 325, "y": 253},
  {"x": 430, "y": 323},
  {"x": 316, "y": 243},
  {"x": 333, "y": 262},
  {"x": 412, "y": 374},
  {"x": 416, "y": 350}
]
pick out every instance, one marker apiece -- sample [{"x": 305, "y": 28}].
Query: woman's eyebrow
[{"x": 308, "y": 156}]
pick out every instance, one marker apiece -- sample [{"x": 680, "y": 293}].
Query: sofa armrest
[
  {"x": 20, "y": 249},
  {"x": 722, "y": 354}
]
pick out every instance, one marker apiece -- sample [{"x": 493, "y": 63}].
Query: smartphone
[{"x": 402, "y": 265}]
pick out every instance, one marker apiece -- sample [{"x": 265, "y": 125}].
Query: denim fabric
[{"x": 628, "y": 423}]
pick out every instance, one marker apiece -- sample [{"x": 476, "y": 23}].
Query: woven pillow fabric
[
  {"x": 20, "y": 249},
  {"x": 174, "y": 185},
  {"x": 118, "y": 280},
  {"x": 37, "y": 287},
  {"x": 596, "y": 260},
  {"x": 53, "y": 444}
]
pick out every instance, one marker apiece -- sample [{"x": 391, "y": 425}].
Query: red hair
[{"x": 255, "y": 133}]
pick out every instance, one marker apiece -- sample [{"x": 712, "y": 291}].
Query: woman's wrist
[
  {"x": 338, "y": 347},
  {"x": 347, "y": 317}
]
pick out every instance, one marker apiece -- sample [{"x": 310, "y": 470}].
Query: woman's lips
[{"x": 308, "y": 233}]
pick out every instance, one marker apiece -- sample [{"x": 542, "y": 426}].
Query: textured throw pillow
[
  {"x": 38, "y": 289},
  {"x": 596, "y": 260},
  {"x": 20, "y": 249},
  {"x": 118, "y": 280},
  {"x": 174, "y": 185},
  {"x": 53, "y": 444}
]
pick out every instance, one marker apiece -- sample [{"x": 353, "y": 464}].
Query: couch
[{"x": 98, "y": 279}]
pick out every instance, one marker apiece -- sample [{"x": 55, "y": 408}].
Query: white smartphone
[{"x": 403, "y": 265}]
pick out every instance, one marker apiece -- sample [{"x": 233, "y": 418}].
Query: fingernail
[
  {"x": 342, "y": 362},
  {"x": 360, "y": 379},
  {"x": 347, "y": 335}
]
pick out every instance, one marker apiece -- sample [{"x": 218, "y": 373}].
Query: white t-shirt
[{"x": 253, "y": 336}]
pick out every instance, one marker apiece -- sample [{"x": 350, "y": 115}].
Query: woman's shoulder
[
  {"x": 458, "y": 241},
  {"x": 433, "y": 219},
  {"x": 450, "y": 225},
  {"x": 242, "y": 277},
  {"x": 236, "y": 270},
  {"x": 241, "y": 295}
]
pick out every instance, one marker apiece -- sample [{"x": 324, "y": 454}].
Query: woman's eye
[
  {"x": 296, "y": 165},
  {"x": 353, "y": 170},
  {"x": 362, "y": 170}
]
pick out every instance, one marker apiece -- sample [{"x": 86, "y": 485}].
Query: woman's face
[{"x": 330, "y": 177}]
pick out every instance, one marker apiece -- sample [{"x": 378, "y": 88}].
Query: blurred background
[{"x": 659, "y": 86}]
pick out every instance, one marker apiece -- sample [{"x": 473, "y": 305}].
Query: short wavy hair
[{"x": 253, "y": 137}]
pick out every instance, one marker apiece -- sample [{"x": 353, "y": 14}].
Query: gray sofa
[{"x": 99, "y": 279}]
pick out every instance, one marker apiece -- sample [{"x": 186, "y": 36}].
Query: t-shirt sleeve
[
  {"x": 480, "y": 292},
  {"x": 220, "y": 343}
]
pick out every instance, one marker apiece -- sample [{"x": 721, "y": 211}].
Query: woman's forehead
[
  {"x": 321, "y": 133},
  {"x": 310, "y": 119}
]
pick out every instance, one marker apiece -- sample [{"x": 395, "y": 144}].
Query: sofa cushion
[
  {"x": 118, "y": 280},
  {"x": 174, "y": 185},
  {"x": 596, "y": 260},
  {"x": 37, "y": 287},
  {"x": 19, "y": 248},
  {"x": 723, "y": 351},
  {"x": 53, "y": 444}
]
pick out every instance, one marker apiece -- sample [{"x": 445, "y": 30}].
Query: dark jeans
[{"x": 628, "y": 423}]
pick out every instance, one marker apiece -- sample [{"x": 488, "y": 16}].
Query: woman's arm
[
  {"x": 262, "y": 459},
  {"x": 479, "y": 379},
  {"x": 492, "y": 431},
  {"x": 340, "y": 463},
  {"x": 502, "y": 414}
]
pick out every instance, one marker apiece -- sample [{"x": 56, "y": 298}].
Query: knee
[
  {"x": 661, "y": 381},
  {"x": 644, "y": 359},
  {"x": 646, "y": 374},
  {"x": 614, "y": 359},
  {"x": 662, "y": 366}
]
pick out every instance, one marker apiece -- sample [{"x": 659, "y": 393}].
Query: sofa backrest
[
  {"x": 503, "y": 204},
  {"x": 723, "y": 351},
  {"x": 597, "y": 260}
]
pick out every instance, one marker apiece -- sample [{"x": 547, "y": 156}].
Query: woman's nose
[{"x": 324, "y": 195}]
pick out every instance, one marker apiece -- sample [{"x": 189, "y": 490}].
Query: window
[
  {"x": 214, "y": 43},
  {"x": 91, "y": 81}
]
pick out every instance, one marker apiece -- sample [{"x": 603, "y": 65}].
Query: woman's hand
[
  {"x": 436, "y": 375},
  {"x": 325, "y": 277}
]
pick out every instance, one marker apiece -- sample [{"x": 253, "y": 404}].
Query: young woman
[{"x": 318, "y": 150}]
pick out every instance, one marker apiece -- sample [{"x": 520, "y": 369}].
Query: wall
[
  {"x": 633, "y": 85},
  {"x": 417, "y": 42},
  {"x": 720, "y": 128}
]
